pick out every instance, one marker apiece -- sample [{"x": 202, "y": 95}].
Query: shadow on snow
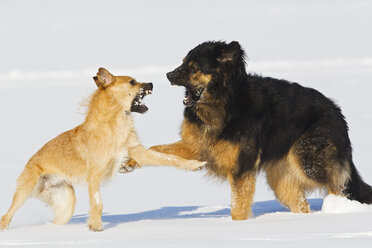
[{"x": 189, "y": 212}]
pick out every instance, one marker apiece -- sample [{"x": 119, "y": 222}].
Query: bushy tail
[{"x": 357, "y": 189}]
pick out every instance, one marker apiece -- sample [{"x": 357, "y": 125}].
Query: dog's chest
[
  {"x": 115, "y": 163},
  {"x": 221, "y": 155}
]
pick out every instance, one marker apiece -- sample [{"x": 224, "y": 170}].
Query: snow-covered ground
[{"x": 51, "y": 49}]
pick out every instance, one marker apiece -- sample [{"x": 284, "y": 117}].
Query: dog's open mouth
[
  {"x": 137, "y": 104},
  {"x": 187, "y": 101},
  {"x": 192, "y": 97}
]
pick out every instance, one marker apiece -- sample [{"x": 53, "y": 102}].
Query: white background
[{"x": 49, "y": 50}]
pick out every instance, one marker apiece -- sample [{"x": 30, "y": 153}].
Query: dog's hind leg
[
  {"x": 60, "y": 195},
  {"x": 64, "y": 204},
  {"x": 26, "y": 184},
  {"x": 95, "y": 201},
  {"x": 289, "y": 184}
]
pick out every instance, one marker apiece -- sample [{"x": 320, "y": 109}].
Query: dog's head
[
  {"x": 207, "y": 67},
  {"x": 125, "y": 89}
]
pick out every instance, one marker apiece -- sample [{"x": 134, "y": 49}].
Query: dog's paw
[
  {"x": 95, "y": 227},
  {"x": 194, "y": 165},
  {"x": 4, "y": 223},
  {"x": 128, "y": 166},
  {"x": 95, "y": 224}
]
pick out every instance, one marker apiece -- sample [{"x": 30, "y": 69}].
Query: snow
[
  {"x": 333, "y": 204},
  {"x": 51, "y": 49}
]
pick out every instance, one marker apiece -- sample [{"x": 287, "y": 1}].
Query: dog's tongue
[{"x": 187, "y": 100}]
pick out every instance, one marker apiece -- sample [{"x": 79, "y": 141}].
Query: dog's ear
[
  {"x": 231, "y": 53},
  {"x": 103, "y": 78},
  {"x": 97, "y": 81}
]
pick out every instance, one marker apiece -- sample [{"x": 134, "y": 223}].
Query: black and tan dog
[{"x": 242, "y": 124}]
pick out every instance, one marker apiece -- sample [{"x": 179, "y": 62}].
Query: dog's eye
[
  {"x": 193, "y": 69},
  {"x": 132, "y": 82}
]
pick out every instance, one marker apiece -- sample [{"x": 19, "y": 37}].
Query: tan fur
[
  {"x": 200, "y": 77},
  {"x": 285, "y": 177},
  {"x": 178, "y": 148},
  {"x": 290, "y": 184},
  {"x": 242, "y": 191},
  {"x": 337, "y": 175},
  {"x": 222, "y": 155},
  {"x": 212, "y": 112},
  {"x": 89, "y": 153},
  {"x": 192, "y": 136},
  {"x": 222, "y": 160},
  {"x": 188, "y": 147},
  {"x": 209, "y": 109},
  {"x": 225, "y": 155}
]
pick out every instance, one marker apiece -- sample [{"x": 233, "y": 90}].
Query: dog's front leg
[
  {"x": 149, "y": 157},
  {"x": 179, "y": 149},
  {"x": 95, "y": 213},
  {"x": 242, "y": 191},
  {"x": 129, "y": 163},
  {"x": 145, "y": 156}
]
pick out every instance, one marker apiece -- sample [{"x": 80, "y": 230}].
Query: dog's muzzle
[
  {"x": 171, "y": 77},
  {"x": 176, "y": 76},
  {"x": 148, "y": 87}
]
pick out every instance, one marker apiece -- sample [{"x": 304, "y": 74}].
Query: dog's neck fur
[
  {"x": 210, "y": 113},
  {"x": 105, "y": 108}
]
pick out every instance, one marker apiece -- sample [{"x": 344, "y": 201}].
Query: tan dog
[{"x": 91, "y": 152}]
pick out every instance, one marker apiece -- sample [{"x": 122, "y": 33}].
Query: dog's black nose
[
  {"x": 169, "y": 75},
  {"x": 148, "y": 86}
]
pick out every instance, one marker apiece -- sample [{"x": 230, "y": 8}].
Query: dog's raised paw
[
  {"x": 125, "y": 169},
  {"x": 195, "y": 165},
  {"x": 128, "y": 166}
]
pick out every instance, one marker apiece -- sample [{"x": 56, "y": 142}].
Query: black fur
[{"x": 269, "y": 116}]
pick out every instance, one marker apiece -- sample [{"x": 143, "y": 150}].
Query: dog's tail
[{"x": 356, "y": 188}]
